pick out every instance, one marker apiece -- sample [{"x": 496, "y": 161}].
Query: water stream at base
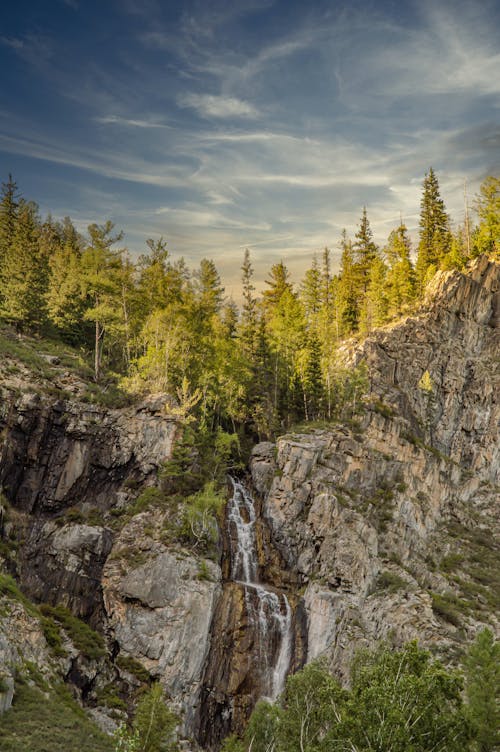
[{"x": 269, "y": 612}]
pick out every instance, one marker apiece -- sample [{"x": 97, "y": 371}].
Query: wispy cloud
[
  {"x": 209, "y": 105},
  {"x": 129, "y": 122}
]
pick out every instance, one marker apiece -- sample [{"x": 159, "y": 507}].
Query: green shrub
[
  {"x": 199, "y": 518},
  {"x": 89, "y": 643},
  {"x": 129, "y": 664},
  {"x": 52, "y": 635},
  {"x": 110, "y": 698},
  {"x": 390, "y": 582},
  {"x": 449, "y": 607},
  {"x": 54, "y": 723}
]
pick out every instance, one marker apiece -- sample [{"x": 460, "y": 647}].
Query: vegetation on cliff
[
  {"x": 159, "y": 326},
  {"x": 398, "y": 700}
]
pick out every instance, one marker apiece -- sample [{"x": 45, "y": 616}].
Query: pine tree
[
  {"x": 365, "y": 252},
  {"x": 24, "y": 276},
  {"x": 375, "y": 305},
  {"x": 310, "y": 294},
  {"x": 348, "y": 302},
  {"x": 312, "y": 382},
  {"x": 483, "y": 691},
  {"x": 9, "y": 203},
  {"x": 400, "y": 281},
  {"x": 248, "y": 329},
  {"x": 435, "y": 235},
  {"x": 153, "y": 269},
  {"x": 487, "y": 235},
  {"x": 279, "y": 283},
  {"x": 209, "y": 292},
  {"x": 101, "y": 266}
]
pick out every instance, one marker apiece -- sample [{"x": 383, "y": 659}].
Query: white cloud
[
  {"x": 209, "y": 105},
  {"x": 116, "y": 120}
]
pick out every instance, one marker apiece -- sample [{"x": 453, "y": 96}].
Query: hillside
[{"x": 384, "y": 525}]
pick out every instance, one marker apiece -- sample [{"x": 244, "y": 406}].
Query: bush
[
  {"x": 38, "y": 722},
  {"x": 199, "y": 518},
  {"x": 390, "y": 582},
  {"x": 89, "y": 643}
]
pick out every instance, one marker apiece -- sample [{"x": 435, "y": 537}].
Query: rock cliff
[
  {"x": 384, "y": 526},
  {"x": 391, "y": 523}
]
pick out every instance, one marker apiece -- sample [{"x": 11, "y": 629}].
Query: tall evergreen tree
[
  {"x": 400, "y": 281},
  {"x": 483, "y": 691},
  {"x": 9, "y": 203},
  {"x": 435, "y": 235},
  {"x": 279, "y": 283},
  {"x": 487, "y": 235},
  {"x": 310, "y": 294},
  {"x": 365, "y": 252},
  {"x": 24, "y": 275},
  {"x": 248, "y": 329},
  {"x": 348, "y": 300},
  {"x": 101, "y": 266}
]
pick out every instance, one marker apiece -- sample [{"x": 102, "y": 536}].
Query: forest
[{"x": 154, "y": 325}]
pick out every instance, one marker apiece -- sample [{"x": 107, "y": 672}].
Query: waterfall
[{"x": 269, "y": 612}]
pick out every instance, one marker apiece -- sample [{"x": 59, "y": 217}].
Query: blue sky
[{"x": 267, "y": 124}]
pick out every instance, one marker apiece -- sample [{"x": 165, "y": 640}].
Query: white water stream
[{"x": 268, "y": 611}]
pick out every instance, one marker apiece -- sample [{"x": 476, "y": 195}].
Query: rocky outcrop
[
  {"x": 159, "y": 604},
  {"x": 55, "y": 454},
  {"x": 391, "y": 522},
  {"x": 63, "y": 466}
]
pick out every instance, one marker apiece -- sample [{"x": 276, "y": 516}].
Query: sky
[{"x": 262, "y": 124}]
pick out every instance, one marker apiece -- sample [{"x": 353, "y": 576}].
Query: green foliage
[
  {"x": 199, "y": 517},
  {"x": 390, "y": 582},
  {"x": 132, "y": 666},
  {"x": 156, "y": 326},
  {"x": 48, "y": 721},
  {"x": 154, "y": 723},
  {"x": 399, "y": 700},
  {"x": 449, "y": 607},
  {"x": 86, "y": 640},
  {"x": 482, "y": 671}
]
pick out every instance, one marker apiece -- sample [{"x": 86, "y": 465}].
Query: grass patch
[
  {"x": 37, "y": 723},
  {"x": 10, "y": 589},
  {"x": 110, "y": 697},
  {"x": 132, "y": 666},
  {"x": 382, "y": 409},
  {"x": 86, "y": 640},
  {"x": 390, "y": 582},
  {"x": 449, "y": 607}
]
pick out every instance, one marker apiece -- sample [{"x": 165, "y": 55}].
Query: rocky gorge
[{"x": 380, "y": 526}]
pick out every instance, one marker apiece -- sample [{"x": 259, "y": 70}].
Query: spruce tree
[
  {"x": 101, "y": 266},
  {"x": 348, "y": 302},
  {"x": 9, "y": 203},
  {"x": 487, "y": 235},
  {"x": 435, "y": 235},
  {"x": 279, "y": 283},
  {"x": 483, "y": 691},
  {"x": 400, "y": 281},
  {"x": 248, "y": 329},
  {"x": 24, "y": 275},
  {"x": 365, "y": 253},
  {"x": 311, "y": 292}
]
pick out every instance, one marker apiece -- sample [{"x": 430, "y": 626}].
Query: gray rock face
[
  {"x": 56, "y": 455},
  {"x": 159, "y": 610},
  {"x": 366, "y": 515},
  {"x": 64, "y": 565},
  {"x": 21, "y": 639}
]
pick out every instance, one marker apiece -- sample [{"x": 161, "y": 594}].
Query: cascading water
[
  {"x": 269, "y": 612},
  {"x": 257, "y": 638}
]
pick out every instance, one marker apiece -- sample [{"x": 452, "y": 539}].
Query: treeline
[
  {"x": 162, "y": 327},
  {"x": 397, "y": 701}
]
